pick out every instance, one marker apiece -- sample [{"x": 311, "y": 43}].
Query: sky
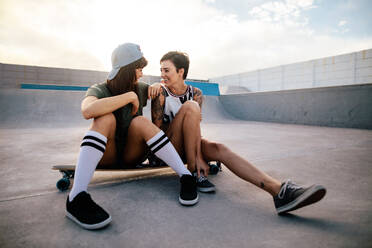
[{"x": 221, "y": 37}]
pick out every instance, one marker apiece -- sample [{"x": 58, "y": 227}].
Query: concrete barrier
[
  {"x": 13, "y": 76},
  {"x": 346, "y": 69},
  {"x": 341, "y": 106}
]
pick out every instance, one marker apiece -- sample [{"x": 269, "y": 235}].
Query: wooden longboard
[
  {"x": 72, "y": 168},
  {"x": 68, "y": 172}
]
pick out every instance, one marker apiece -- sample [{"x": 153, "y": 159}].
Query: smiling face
[
  {"x": 169, "y": 73},
  {"x": 139, "y": 73}
]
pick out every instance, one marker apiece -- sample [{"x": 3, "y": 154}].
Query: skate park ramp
[
  {"x": 42, "y": 128},
  {"x": 38, "y": 108}
]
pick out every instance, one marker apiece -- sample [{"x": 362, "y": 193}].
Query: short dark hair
[{"x": 179, "y": 59}]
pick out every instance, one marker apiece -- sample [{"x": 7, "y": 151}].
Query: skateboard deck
[{"x": 68, "y": 172}]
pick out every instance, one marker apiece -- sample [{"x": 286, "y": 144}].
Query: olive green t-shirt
[{"x": 123, "y": 115}]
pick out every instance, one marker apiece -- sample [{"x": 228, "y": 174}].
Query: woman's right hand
[{"x": 134, "y": 101}]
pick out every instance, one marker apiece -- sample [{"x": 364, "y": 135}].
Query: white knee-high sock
[
  {"x": 92, "y": 149},
  {"x": 161, "y": 146}
]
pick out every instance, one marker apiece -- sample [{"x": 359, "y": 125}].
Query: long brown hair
[{"x": 126, "y": 79}]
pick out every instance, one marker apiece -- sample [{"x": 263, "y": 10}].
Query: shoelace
[
  {"x": 202, "y": 179},
  {"x": 288, "y": 184}
]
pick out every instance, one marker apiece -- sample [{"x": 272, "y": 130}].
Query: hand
[
  {"x": 154, "y": 90},
  {"x": 202, "y": 167},
  {"x": 134, "y": 101}
]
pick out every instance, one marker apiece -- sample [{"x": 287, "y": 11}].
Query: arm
[
  {"x": 92, "y": 107},
  {"x": 198, "y": 96},
  {"x": 154, "y": 90},
  {"x": 157, "y": 111}
]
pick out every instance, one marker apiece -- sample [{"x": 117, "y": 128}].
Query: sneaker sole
[
  {"x": 188, "y": 202},
  {"x": 89, "y": 226},
  {"x": 310, "y": 196},
  {"x": 207, "y": 190}
]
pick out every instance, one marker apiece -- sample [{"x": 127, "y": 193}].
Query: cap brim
[{"x": 112, "y": 74}]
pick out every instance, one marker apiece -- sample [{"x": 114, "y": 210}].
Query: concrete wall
[
  {"x": 12, "y": 76},
  {"x": 347, "y": 69},
  {"x": 342, "y": 106}
]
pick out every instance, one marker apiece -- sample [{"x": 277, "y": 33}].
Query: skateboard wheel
[
  {"x": 63, "y": 184},
  {"x": 219, "y": 165},
  {"x": 214, "y": 168}
]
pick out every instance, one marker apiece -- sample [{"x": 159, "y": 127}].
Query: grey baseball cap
[{"x": 123, "y": 55}]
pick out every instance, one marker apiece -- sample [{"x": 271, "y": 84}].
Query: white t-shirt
[{"x": 174, "y": 102}]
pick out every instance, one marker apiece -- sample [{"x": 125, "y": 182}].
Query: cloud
[
  {"x": 342, "y": 23},
  {"x": 288, "y": 11},
  {"x": 342, "y": 28},
  {"x": 81, "y": 34},
  {"x": 36, "y": 35}
]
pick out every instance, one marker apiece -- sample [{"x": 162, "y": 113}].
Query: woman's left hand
[
  {"x": 154, "y": 90},
  {"x": 202, "y": 167}
]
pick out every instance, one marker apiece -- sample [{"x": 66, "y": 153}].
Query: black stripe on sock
[
  {"x": 94, "y": 146},
  {"x": 158, "y": 141},
  {"x": 95, "y": 139},
  {"x": 161, "y": 146}
]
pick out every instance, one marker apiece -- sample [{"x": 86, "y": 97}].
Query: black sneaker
[
  {"x": 86, "y": 213},
  {"x": 188, "y": 193},
  {"x": 203, "y": 184},
  {"x": 292, "y": 196}
]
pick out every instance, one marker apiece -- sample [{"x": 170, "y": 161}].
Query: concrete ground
[{"x": 146, "y": 212}]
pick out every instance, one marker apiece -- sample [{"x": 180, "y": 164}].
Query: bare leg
[
  {"x": 140, "y": 130},
  {"x": 184, "y": 133},
  {"x": 239, "y": 166},
  {"x": 143, "y": 133}
]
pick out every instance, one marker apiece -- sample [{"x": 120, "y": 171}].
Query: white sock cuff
[
  {"x": 95, "y": 140},
  {"x": 155, "y": 138},
  {"x": 158, "y": 143},
  {"x": 96, "y": 134}
]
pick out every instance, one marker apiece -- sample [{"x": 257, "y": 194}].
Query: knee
[
  {"x": 143, "y": 127},
  {"x": 104, "y": 123},
  {"x": 106, "y": 120},
  {"x": 214, "y": 151},
  {"x": 191, "y": 107},
  {"x": 141, "y": 122},
  {"x": 218, "y": 148}
]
